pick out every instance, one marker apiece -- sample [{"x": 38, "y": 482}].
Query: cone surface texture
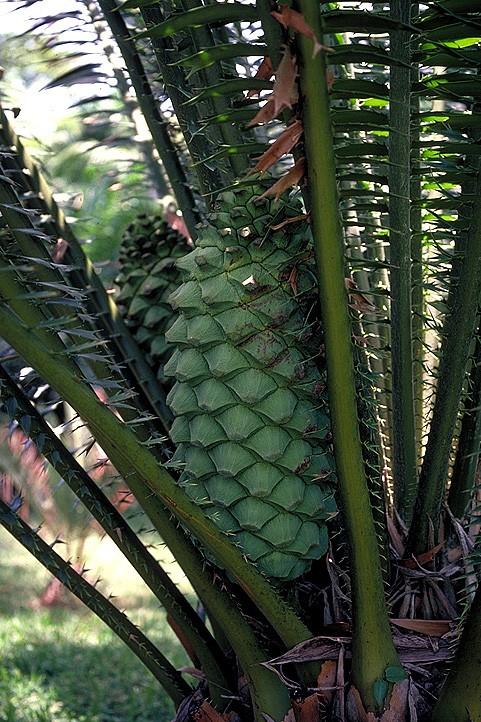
[
  {"x": 148, "y": 276},
  {"x": 251, "y": 427}
]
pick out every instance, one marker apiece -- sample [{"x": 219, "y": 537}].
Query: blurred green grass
[{"x": 64, "y": 665}]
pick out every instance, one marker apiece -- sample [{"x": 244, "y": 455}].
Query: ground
[{"x": 65, "y": 665}]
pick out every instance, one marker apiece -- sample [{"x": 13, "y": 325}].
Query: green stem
[
  {"x": 373, "y": 648},
  {"x": 467, "y": 454},
  {"x": 371, "y": 444},
  {"x": 463, "y": 478},
  {"x": 151, "y": 111},
  {"x": 142, "y": 647},
  {"x": 418, "y": 305},
  {"x": 457, "y": 334},
  {"x": 128, "y": 454},
  {"x": 460, "y": 699},
  {"x": 83, "y": 274},
  {"x": 112, "y": 522},
  {"x": 381, "y": 365},
  {"x": 404, "y": 426}
]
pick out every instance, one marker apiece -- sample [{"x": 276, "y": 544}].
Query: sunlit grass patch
[{"x": 64, "y": 665}]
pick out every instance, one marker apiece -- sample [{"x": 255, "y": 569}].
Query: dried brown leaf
[
  {"x": 265, "y": 71},
  {"x": 395, "y": 536},
  {"x": 292, "y": 178},
  {"x": 206, "y": 713},
  {"x": 177, "y": 223},
  {"x": 282, "y": 145},
  {"x": 422, "y": 558},
  {"x": 358, "y": 300},
  {"x": 284, "y": 92},
  {"x": 431, "y": 627},
  {"x": 326, "y": 680},
  {"x": 307, "y": 710},
  {"x": 317, "y": 648},
  {"x": 398, "y": 709},
  {"x": 294, "y": 219},
  {"x": 290, "y": 18},
  {"x": 265, "y": 114}
]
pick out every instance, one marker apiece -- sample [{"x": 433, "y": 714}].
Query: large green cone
[
  {"x": 249, "y": 399},
  {"x": 147, "y": 277}
]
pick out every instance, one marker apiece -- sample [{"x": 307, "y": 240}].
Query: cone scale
[{"x": 148, "y": 276}]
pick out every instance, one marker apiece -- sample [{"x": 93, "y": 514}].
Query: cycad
[{"x": 388, "y": 202}]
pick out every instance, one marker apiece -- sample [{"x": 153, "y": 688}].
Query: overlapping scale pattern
[
  {"x": 148, "y": 275},
  {"x": 250, "y": 425}
]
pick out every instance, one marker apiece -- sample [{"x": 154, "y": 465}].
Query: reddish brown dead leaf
[
  {"x": 265, "y": 114},
  {"x": 206, "y": 713},
  {"x": 292, "y": 178},
  {"x": 284, "y": 92},
  {"x": 294, "y": 219},
  {"x": 178, "y": 631},
  {"x": 422, "y": 558},
  {"x": 308, "y": 710},
  {"x": 430, "y": 627},
  {"x": 60, "y": 250},
  {"x": 177, "y": 223},
  {"x": 265, "y": 71},
  {"x": 326, "y": 680},
  {"x": 282, "y": 145},
  {"x": 290, "y": 18},
  {"x": 358, "y": 300},
  {"x": 292, "y": 280}
]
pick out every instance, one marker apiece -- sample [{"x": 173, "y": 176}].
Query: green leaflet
[
  {"x": 148, "y": 276},
  {"x": 251, "y": 426},
  {"x": 219, "y": 13}
]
